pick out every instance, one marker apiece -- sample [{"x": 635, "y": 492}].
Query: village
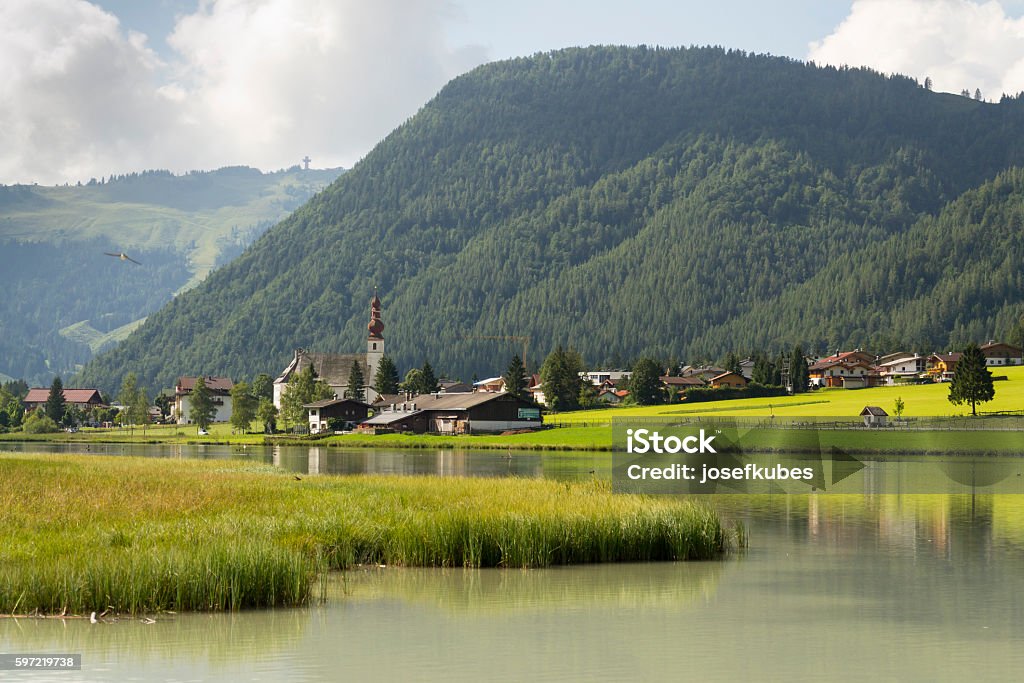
[{"x": 312, "y": 394}]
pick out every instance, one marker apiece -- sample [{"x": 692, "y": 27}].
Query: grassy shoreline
[{"x": 134, "y": 535}]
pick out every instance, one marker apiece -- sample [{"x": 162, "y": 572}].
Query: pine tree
[
  {"x": 428, "y": 380},
  {"x": 515, "y": 377},
  {"x": 560, "y": 379},
  {"x": 55, "y": 400},
  {"x": 203, "y": 410},
  {"x": 645, "y": 383},
  {"x": 385, "y": 381},
  {"x": 356, "y": 382},
  {"x": 798, "y": 375},
  {"x": 972, "y": 380}
]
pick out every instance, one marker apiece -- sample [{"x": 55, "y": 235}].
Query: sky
[{"x": 88, "y": 89}]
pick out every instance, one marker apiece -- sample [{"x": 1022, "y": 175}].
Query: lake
[{"x": 841, "y": 587}]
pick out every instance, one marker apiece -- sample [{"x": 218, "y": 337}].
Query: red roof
[{"x": 37, "y": 395}]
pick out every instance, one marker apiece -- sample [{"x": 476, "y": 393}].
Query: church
[{"x": 334, "y": 368}]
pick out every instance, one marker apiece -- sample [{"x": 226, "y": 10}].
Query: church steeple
[
  {"x": 376, "y": 325},
  {"x": 374, "y": 346}
]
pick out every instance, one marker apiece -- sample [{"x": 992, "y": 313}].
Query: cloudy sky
[{"x": 110, "y": 86}]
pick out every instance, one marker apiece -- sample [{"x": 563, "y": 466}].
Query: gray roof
[
  {"x": 333, "y": 368},
  {"x": 390, "y": 417},
  {"x": 873, "y": 410},
  {"x": 333, "y": 401}
]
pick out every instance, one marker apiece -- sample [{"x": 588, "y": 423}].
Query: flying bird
[{"x": 123, "y": 256}]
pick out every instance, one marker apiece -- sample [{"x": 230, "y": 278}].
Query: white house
[{"x": 220, "y": 392}]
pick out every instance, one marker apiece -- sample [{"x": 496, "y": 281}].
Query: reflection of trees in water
[{"x": 665, "y": 585}]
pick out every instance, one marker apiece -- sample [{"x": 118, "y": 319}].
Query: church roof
[{"x": 333, "y": 368}]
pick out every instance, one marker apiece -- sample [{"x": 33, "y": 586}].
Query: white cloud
[
  {"x": 258, "y": 82},
  {"x": 958, "y": 44}
]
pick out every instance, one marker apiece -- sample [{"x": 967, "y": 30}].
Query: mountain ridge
[{"x": 626, "y": 201}]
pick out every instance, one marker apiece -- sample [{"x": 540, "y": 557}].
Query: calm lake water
[{"x": 832, "y": 587}]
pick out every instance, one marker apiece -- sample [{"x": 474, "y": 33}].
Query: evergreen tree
[
  {"x": 355, "y": 382},
  {"x": 645, "y": 383},
  {"x": 515, "y": 377},
  {"x": 764, "y": 371},
  {"x": 55, "y": 400},
  {"x": 798, "y": 375},
  {"x": 428, "y": 381},
  {"x": 243, "y": 407},
  {"x": 972, "y": 380},
  {"x": 385, "y": 381},
  {"x": 203, "y": 409},
  {"x": 560, "y": 378},
  {"x": 732, "y": 363}
]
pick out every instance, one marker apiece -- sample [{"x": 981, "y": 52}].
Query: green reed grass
[{"x": 134, "y": 535}]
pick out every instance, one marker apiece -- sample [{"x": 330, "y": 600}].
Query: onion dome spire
[{"x": 376, "y": 325}]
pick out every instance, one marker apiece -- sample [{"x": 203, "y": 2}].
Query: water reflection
[{"x": 327, "y": 460}]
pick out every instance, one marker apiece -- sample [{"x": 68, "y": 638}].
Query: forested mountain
[
  {"x": 64, "y": 299},
  {"x": 627, "y": 201}
]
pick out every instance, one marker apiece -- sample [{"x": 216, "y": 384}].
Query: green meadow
[
  {"x": 923, "y": 400},
  {"x": 131, "y": 535}
]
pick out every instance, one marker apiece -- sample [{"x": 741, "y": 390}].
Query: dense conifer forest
[{"x": 677, "y": 203}]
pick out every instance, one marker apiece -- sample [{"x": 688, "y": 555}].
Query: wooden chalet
[
  {"x": 728, "y": 380},
  {"x": 80, "y": 398},
  {"x": 999, "y": 353},
  {"x": 346, "y": 411},
  {"x": 457, "y": 414}
]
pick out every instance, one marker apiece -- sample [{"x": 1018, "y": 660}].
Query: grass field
[
  {"x": 921, "y": 401},
  {"x": 89, "y": 533}
]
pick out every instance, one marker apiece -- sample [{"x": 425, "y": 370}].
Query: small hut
[{"x": 874, "y": 416}]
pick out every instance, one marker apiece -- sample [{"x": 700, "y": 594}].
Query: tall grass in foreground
[{"x": 88, "y": 533}]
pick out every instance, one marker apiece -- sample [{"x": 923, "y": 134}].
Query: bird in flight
[{"x": 123, "y": 256}]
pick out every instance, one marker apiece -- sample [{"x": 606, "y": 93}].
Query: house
[
  {"x": 458, "y": 414},
  {"x": 220, "y": 392},
  {"x": 345, "y": 413},
  {"x": 612, "y": 397},
  {"x": 848, "y": 372},
  {"x": 678, "y": 385},
  {"x": 454, "y": 387},
  {"x": 491, "y": 385},
  {"x": 335, "y": 368},
  {"x": 728, "y": 380},
  {"x": 399, "y": 417},
  {"x": 602, "y": 377},
  {"x": 900, "y": 367},
  {"x": 941, "y": 366},
  {"x": 998, "y": 353},
  {"x": 82, "y": 399},
  {"x": 874, "y": 416},
  {"x": 747, "y": 368},
  {"x": 704, "y": 372}
]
